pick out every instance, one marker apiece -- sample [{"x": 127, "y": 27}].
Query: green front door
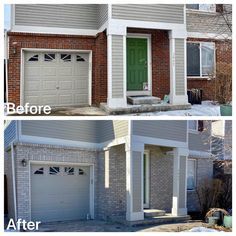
[{"x": 137, "y": 73}]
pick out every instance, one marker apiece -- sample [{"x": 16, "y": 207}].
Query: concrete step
[
  {"x": 149, "y": 213},
  {"x": 141, "y": 100}
]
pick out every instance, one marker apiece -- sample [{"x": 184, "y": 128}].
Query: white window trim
[
  {"x": 195, "y": 175},
  {"x": 202, "y": 76}
]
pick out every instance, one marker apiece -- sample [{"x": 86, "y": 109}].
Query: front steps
[
  {"x": 142, "y": 100},
  {"x": 149, "y": 213}
]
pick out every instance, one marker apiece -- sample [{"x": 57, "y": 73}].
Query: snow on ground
[
  {"x": 202, "y": 229},
  {"x": 207, "y": 108}
]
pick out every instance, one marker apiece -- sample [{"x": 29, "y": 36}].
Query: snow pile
[{"x": 202, "y": 229}]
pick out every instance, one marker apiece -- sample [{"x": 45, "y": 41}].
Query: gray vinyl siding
[
  {"x": 137, "y": 181},
  {"x": 102, "y": 14},
  {"x": 117, "y": 66},
  {"x": 179, "y": 66},
  {"x": 166, "y": 13},
  {"x": 120, "y": 128},
  {"x": 199, "y": 142},
  {"x": 67, "y": 130},
  {"x": 208, "y": 23},
  {"x": 174, "y": 130},
  {"x": 75, "y": 16},
  {"x": 9, "y": 133}
]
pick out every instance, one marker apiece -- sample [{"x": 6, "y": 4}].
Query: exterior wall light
[{"x": 24, "y": 163}]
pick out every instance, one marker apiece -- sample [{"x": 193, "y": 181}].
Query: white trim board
[
  {"x": 22, "y": 67},
  {"x": 208, "y": 36}
]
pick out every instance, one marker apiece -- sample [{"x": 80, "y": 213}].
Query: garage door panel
[
  {"x": 49, "y": 99},
  {"x": 32, "y": 71},
  {"x": 66, "y": 99},
  {"x": 33, "y": 85},
  {"x": 49, "y": 85},
  {"x": 65, "y": 70},
  {"x": 67, "y": 84},
  {"x": 62, "y": 196},
  {"x": 82, "y": 84},
  {"x": 49, "y": 71}
]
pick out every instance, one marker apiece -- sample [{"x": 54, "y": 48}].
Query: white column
[
  {"x": 175, "y": 98},
  {"x": 179, "y": 198},
  {"x": 134, "y": 182}
]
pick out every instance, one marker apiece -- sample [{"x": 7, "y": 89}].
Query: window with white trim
[
  {"x": 202, "y": 7},
  {"x": 200, "y": 59},
  {"x": 191, "y": 175}
]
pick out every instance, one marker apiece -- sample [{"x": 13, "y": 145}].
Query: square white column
[
  {"x": 134, "y": 183},
  {"x": 179, "y": 198}
]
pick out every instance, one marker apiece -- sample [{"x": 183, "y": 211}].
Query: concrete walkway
[{"x": 102, "y": 226}]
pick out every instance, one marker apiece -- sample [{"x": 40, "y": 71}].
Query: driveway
[{"x": 103, "y": 226}]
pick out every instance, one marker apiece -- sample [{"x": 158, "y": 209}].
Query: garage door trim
[
  {"x": 23, "y": 50},
  {"x": 91, "y": 187}
]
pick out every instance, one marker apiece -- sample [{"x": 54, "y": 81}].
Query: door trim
[
  {"x": 22, "y": 67},
  {"x": 149, "y": 57},
  {"x": 147, "y": 186},
  {"x": 91, "y": 186}
]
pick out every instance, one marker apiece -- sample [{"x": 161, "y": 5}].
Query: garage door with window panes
[
  {"x": 56, "y": 79},
  {"x": 60, "y": 192}
]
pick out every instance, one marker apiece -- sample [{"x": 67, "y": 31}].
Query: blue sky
[{"x": 7, "y": 13}]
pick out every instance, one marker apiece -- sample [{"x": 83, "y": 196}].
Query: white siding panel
[{"x": 102, "y": 14}]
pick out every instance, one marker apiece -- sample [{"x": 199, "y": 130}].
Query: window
[
  {"x": 54, "y": 170},
  {"x": 39, "y": 171},
  {"x": 191, "y": 176},
  {"x": 202, "y": 7},
  {"x": 196, "y": 125},
  {"x": 66, "y": 57},
  {"x": 79, "y": 58},
  {"x": 200, "y": 59},
  {"x": 49, "y": 57},
  {"x": 34, "y": 58},
  {"x": 192, "y": 124},
  {"x": 81, "y": 172},
  {"x": 69, "y": 170}
]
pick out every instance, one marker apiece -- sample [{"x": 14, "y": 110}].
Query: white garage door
[
  {"x": 56, "y": 79},
  {"x": 60, "y": 192}
]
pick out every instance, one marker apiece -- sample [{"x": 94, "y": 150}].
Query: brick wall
[
  {"x": 223, "y": 54},
  {"x": 161, "y": 180},
  {"x": 204, "y": 171},
  {"x": 160, "y": 60},
  {"x": 45, "y": 153},
  {"x": 112, "y": 196},
  {"x": 47, "y": 41}
]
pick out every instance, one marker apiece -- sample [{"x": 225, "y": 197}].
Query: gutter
[{"x": 13, "y": 180}]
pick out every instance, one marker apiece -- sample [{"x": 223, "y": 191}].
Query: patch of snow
[
  {"x": 207, "y": 108},
  {"x": 202, "y": 229}
]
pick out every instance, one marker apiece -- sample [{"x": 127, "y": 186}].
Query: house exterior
[
  {"x": 101, "y": 53},
  {"x": 104, "y": 169}
]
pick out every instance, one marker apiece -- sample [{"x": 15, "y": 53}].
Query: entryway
[{"x": 138, "y": 65}]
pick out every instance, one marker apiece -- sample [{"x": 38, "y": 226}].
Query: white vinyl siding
[
  {"x": 166, "y": 13},
  {"x": 102, "y": 14}
]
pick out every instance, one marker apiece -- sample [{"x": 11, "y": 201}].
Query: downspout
[
  {"x": 6, "y": 65},
  {"x": 13, "y": 179}
]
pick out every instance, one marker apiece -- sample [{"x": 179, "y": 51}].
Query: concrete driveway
[{"x": 103, "y": 226}]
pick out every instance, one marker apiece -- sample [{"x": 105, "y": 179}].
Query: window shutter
[{"x": 200, "y": 125}]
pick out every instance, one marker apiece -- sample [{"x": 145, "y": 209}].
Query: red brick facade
[
  {"x": 25, "y": 40},
  {"x": 160, "y": 60},
  {"x": 223, "y": 54}
]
